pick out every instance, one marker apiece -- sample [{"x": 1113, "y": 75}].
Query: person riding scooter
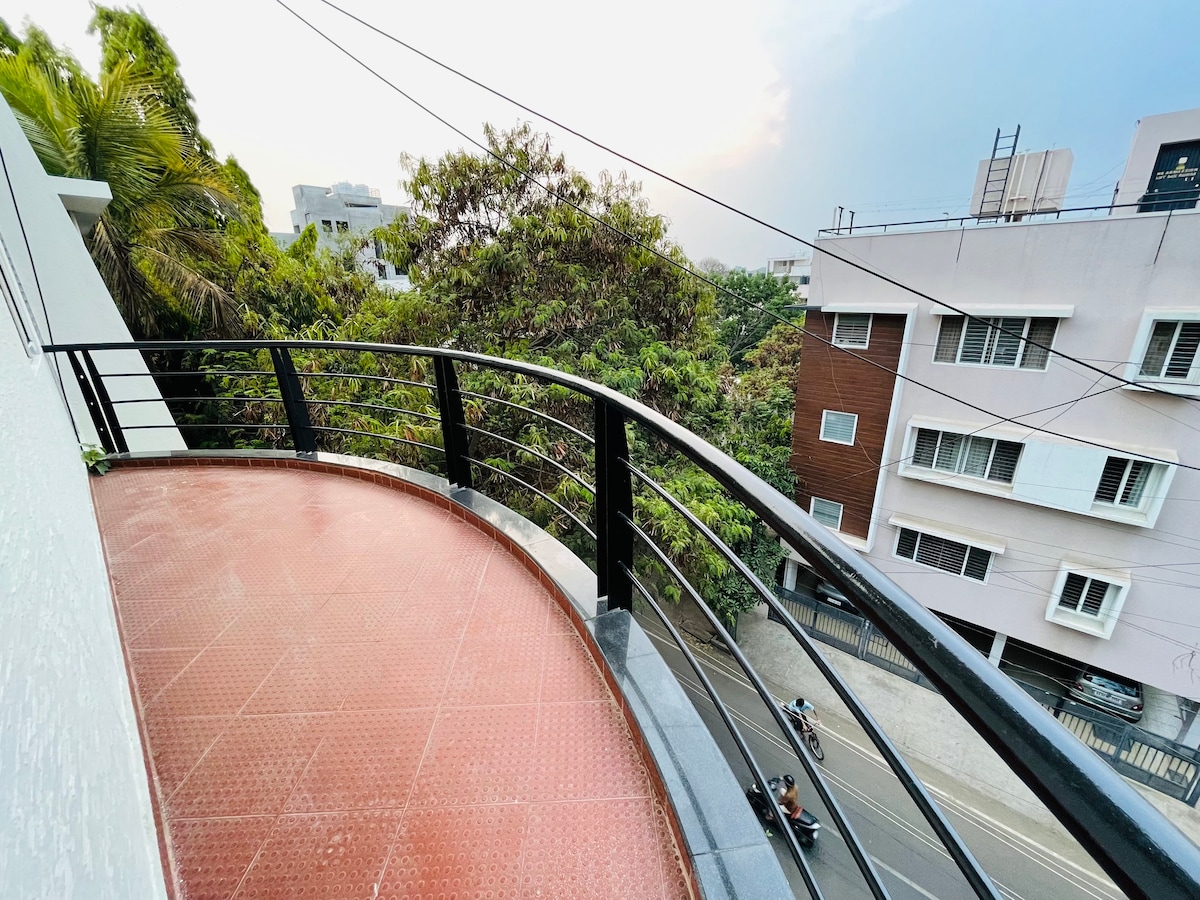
[{"x": 785, "y": 793}]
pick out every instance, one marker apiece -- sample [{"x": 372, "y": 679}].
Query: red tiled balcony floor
[{"x": 348, "y": 692}]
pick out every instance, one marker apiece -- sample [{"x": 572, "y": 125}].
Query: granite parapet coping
[{"x": 728, "y": 852}]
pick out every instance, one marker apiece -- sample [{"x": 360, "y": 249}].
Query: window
[
  {"x": 1171, "y": 352},
  {"x": 852, "y": 330},
  {"x": 961, "y": 454},
  {"x": 838, "y": 427},
  {"x": 327, "y": 226},
  {"x": 942, "y": 553},
  {"x": 1084, "y": 595},
  {"x": 1087, "y": 601},
  {"x": 1124, "y": 481},
  {"x": 997, "y": 341},
  {"x": 343, "y": 226},
  {"x": 826, "y": 512}
]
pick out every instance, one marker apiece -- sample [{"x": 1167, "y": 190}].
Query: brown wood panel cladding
[{"x": 834, "y": 380}]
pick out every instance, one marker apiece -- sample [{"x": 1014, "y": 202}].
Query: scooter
[{"x": 806, "y": 826}]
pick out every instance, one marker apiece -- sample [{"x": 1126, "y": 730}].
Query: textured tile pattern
[{"x": 348, "y": 691}]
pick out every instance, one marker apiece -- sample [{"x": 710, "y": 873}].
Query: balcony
[{"x": 400, "y": 623}]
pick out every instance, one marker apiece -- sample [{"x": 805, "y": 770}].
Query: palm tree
[{"x": 169, "y": 199}]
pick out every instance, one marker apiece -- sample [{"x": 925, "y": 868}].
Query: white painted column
[
  {"x": 790, "y": 568},
  {"x": 998, "y": 643}
]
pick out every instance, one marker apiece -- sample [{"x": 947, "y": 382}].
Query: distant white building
[
  {"x": 795, "y": 270},
  {"x": 345, "y": 209}
]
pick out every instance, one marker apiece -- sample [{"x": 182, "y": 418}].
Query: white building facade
[
  {"x": 794, "y": 270},
  {"x": 340, "y": 213},
  {"x": 1054, "y": 505}
]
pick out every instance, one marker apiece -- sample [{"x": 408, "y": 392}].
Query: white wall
[
  {"x": 74, "y": 793},
  {"x": 73, "y": 784},
  {"x": 1109, "y": 270},
  {"x": 78, "y": 305}
]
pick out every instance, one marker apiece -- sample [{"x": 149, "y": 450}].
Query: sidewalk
[{"x": 969, "y": 769}]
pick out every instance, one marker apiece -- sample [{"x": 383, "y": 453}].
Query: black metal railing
[
  {"x": 311, "y": 395},
  {"x": 1164, "y": 202}
]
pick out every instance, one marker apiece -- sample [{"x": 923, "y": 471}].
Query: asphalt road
[{"x": 911, "y": 862}]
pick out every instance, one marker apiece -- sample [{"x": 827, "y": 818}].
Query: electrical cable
[
  {"x": 668, "y": 260},
  {"x": 686, "y": 187}
]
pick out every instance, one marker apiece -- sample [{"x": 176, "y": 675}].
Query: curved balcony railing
[{"x": 571, "y": 458}]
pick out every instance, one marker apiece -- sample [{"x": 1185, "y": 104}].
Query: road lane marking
[
  {"x": 1049, "y": 860},
  {"x": 899, "y": 876}
]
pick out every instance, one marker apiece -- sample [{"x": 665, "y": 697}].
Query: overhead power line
[
  {"x": 697, "y": 192},
  {"x": 671, "y": 262}
]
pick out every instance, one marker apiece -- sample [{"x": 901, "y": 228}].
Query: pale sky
[{"x": 784, "y": 108}]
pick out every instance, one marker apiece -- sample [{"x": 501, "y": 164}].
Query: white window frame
[
  {"x": 812, "y": 505},
  {"x": 1185, "y": 387},
  {"x": 837, "y": 317},
  {"x": 960, "y": 574},
  {"x": 825, "y": 422},
  {"x": 933, "y": 473},
  {"x": 1100, "y": 625},
  {"x": 1149, "y": 495},
  {"x": 1021, "y": 346}
]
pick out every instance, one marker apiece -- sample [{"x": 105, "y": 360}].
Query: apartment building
[
  {"x": 342, "y": 210},
  {"x": 1049, "y": 508},
  {"x": 794, "y": 270}
]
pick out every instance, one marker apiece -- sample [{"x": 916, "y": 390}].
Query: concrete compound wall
[{"x": 74, "y": 795}]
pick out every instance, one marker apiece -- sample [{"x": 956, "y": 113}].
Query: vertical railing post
[
  {"x": 614, "y": 509},
  {"x": 98, "y": 403},
  {"x": 454, "y": 423},
  {"x": 304, "y": 439}
]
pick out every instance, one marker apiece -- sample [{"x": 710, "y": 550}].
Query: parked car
[
  {"x": 1108, "y": 692},
  {"x": 828, "y": 593}
]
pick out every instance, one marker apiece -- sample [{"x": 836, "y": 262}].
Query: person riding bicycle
[{"x": 799, "y": 707}]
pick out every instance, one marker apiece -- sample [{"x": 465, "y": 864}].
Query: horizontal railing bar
[
  {"x": 908, "y": 779},
  {"x": 529, "y": 409},
  {"x": 574, "y": 518},
  {"x": 1148, "y": 200},
  {"x": 373, "y": 434},
  {"x": 219, "y": 372},
  {"x": 139, "y": 374},
  {"x": 283, "y": 426},
  {"x": 541, "y": 456},
  {"x": 234, "y": 399},
  {"x": 849, "y": 835},
  {"x": 760, "y": 777},
  {"x": 357, "y": 405},
  {"x": 1090, "y": 799},
  {"x": 387, "y": 378}
]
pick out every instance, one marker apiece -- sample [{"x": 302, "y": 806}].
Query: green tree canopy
[
  {"x": 511, "y": 270},
  {"x": 127, "y": 37},
  {"x": 168, "y": 198},
  {"x": 742, "y": 326}
]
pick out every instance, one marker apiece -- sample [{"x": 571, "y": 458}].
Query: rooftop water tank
[{"x": 1032, "y": 182}]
